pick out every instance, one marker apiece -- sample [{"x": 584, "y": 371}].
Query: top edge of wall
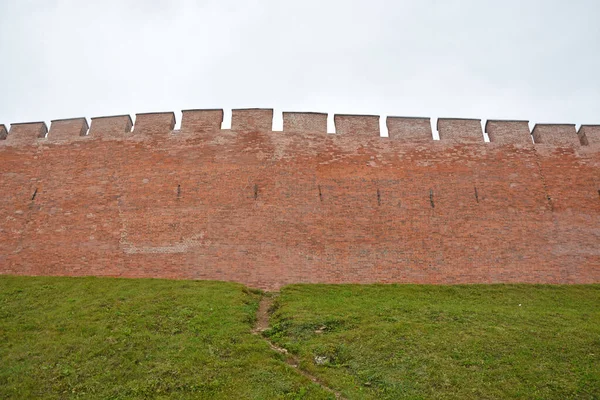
[
  {"x": 113, "y": 116},
  {"x": 506, "y": 120},
  {"x": 202, "y": 109},
  {"x": 357, "y": 115},
  {"x": 305, "y": 112},
  {"x": 27, "y": 123},
  {"x": 68, "y": 119},
  {"x": 406, "y": 117},
  {"x": 458, "y": 119},
  {"x": 455, "y": 129},
  {"x": 252, "y": 109},
  {"x": 156, "y": 113},
  {"x": 553, "y": 124}
]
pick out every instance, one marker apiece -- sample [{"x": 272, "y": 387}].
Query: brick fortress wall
[{"x": 269, "y": 208}]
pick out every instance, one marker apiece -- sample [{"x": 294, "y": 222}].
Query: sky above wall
[{"x": 510, "y": 59}]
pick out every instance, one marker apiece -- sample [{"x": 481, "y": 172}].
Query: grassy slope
[
  {"x": 124, "y": 339},
  {"x": 456, "y": 342}
]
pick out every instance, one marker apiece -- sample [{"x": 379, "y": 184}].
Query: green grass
[
  {"x": 101, "y": 338},
  {"x": 93, "y": 338},
  {"x": 450, "y": 342}
]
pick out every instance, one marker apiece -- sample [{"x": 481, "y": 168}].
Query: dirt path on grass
[
  {"x": 262, "y": 324},
  {"x": 262, "y": 314}
]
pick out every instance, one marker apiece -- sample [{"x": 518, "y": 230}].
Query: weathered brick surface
[
  {"x": 154, "y": 123},
  {"x": 116, "y": 126},
  {"x": 508, "y": 132},
  {"x": 304, "y": 122},
  {"x": 556, "y": 134},
  {"x": 26, "y": 133},
  {"x": 3, "y": 132},
  {"x": 357, "y": 125},
  {"x": 266, "y": 208},
  {"x": 409, "y": 129},
  {"x": 201, "y": 120},
  {"x": 589, "y": 135},
  {"x": 67, "y": 129},
  {"x": 252, "y": 119},
  {"x": 456, "y": 130}
]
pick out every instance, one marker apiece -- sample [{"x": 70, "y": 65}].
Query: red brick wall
[{"x": 270, "y": 208}]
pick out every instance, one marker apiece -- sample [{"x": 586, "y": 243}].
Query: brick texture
[
  {"x": 589, "y": 135},
  {"x": 409, "y": 129},
  {"x": 460, "y": 130},
  {"x": 252, "y": 119},
  {"x": 116, "y": 126},
  {"x": 508, "y": 132},
  {"x": 67, "y": 129},
  {"x": 357, "y": 125},
  {"x": 556, "y": 134},
  {"x": 201, "y": 120},
  {"x": 266, "y": 208},
  {"x": 26, "y": 133},
  {"x": 154, "y": 123},
  {"x": 304, "y": 122}
]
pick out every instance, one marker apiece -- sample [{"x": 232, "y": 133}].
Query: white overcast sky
[{"x": 509, "y": 59}]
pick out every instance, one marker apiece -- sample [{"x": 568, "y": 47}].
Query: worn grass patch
[
  {"x": 136, "y": 339},
  {"x": 450, "y": 342}
]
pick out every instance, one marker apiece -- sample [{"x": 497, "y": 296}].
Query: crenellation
[
  {"x": 114, "y": 126},
  {"x": 305, "y": 122},
  {"x": 404, "y": 129},
  {"x": 154, "y": 123},
  {"x": 201, "y": 120},
  {"x": 66, "y": 129},
  {"x": 409, "y": 129},
  {"x": 508, "y": 131},
  {"x": 460, "y": 130},
  {"x": 357, "y": 125},
  {"x": 26, "y": 132},
  {"x": 589, "y": 135},
  {"x": 252, "y": 119},
  {"x": 561, "y": 135}
]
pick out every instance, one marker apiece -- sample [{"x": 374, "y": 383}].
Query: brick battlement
[
  {"x": 404, "y": 129},
  {"x": 141, "y": 199}
]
